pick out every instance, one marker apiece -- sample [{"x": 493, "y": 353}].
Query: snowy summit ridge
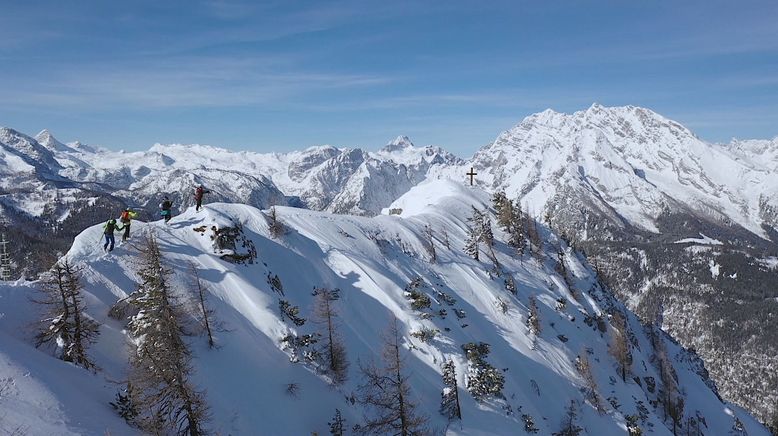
[{"x": 547, "y": 334}]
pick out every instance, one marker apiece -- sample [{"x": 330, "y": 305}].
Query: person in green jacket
[{"x": 108, "y": 230}]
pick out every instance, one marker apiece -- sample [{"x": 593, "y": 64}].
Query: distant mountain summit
[
  {"x": 398, "y": 143},
  {"x": 632, "y": 164}
]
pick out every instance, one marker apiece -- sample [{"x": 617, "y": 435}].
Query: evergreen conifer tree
[
  {"x": 204, "y": 311},
  {"x": 474, "y": 236},
  {"x": 161, "y": 368},
  {"x": 449, "y": 405},
  {"x": 515, "y": 229},
  {"x": 619, "y": 346},
  {"x": 275, "y": 225},
  {"x": 591, "y": 389},
  {"x": 430, "y": 243},
  {"x": 386, "y": 393},
  {"x": 676, "y": 412},
  {"x": 66, "y": 325},
  {"x": 446, "y": 242},
  {"x": 569, "y": 428},
  {"x": 533, "y": 319},
  {"x": 333, "y": 349},
  {"x": 337, "y": 425},
  {"x": 487, "y": 236}
]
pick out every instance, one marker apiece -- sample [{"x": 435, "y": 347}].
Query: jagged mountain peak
[
  {"x": 45, "y": 136},
  {"x": 401, "y": 142},
  {"x": 29, "y": 150},
  {"x": 46, "y": 139},
  {"x": 7, "y": 133}
]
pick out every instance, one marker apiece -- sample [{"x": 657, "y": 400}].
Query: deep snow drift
[{"x": 371, "y": 260}]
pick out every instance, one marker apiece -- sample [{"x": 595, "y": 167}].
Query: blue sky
[{"x": 282, "y": 75}]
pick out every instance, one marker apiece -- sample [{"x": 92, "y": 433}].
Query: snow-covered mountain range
[
  {"x": 383, "y": 269},
  {"x": 633, "y": 165},
  {"x": 639, "y": 193}
]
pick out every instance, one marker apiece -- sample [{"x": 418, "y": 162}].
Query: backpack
[
  {"x": 110, "y": 226},
  {"x": 125, "y": 217}
]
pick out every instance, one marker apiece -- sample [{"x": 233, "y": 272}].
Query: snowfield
[
  {"x": 702, "y": 240},
  {"x": 371, "y": 261}
]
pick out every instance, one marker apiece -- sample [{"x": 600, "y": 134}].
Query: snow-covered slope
[{"x": 371, "y": 261}]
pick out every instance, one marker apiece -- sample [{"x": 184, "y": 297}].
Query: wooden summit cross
[{"x": 471, "y": 174}]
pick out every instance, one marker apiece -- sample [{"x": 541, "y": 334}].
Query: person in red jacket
[
  {"x": 126, "y": 219},
  {"x": 199, "y": 196}
]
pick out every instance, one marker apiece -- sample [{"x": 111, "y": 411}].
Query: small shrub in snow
[
  {"x": 535, "y": 387},
  {"x": 502, "y": 305},
  {"x": 483, "y": 380},
  {"x": 425, "y": 334},
  {"x": 301, "y": 348},
  {"x": 275, "y": 283},
  {"x": 446, "y": 298},
  {"x": 533, "y": 320},
  {"x": 529, "y": 424},
  {"x": 291, "y": 312},
  {"x": 405, "y": 247},
  {"x": 633, "y": 428},
  {"x": 510, "y": 285},
  {"x": 293, "y": 390},
  {"x": 338, "y": 424},
  {"x": 125, "y": 405},
  {"x": 419, "y": 300}
]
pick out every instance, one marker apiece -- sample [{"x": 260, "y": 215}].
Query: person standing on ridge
[
  {"x": 199, "y": 196},
  {"x": 126, "y": 219},
  {"x": 108, "y": 230},
  {"x": 166, "y": 205}
]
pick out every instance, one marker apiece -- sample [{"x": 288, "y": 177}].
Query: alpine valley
[{"x": 639, "y": 225}]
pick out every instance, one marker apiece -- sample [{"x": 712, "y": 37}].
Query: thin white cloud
[{"x": 182, "y": 82}]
